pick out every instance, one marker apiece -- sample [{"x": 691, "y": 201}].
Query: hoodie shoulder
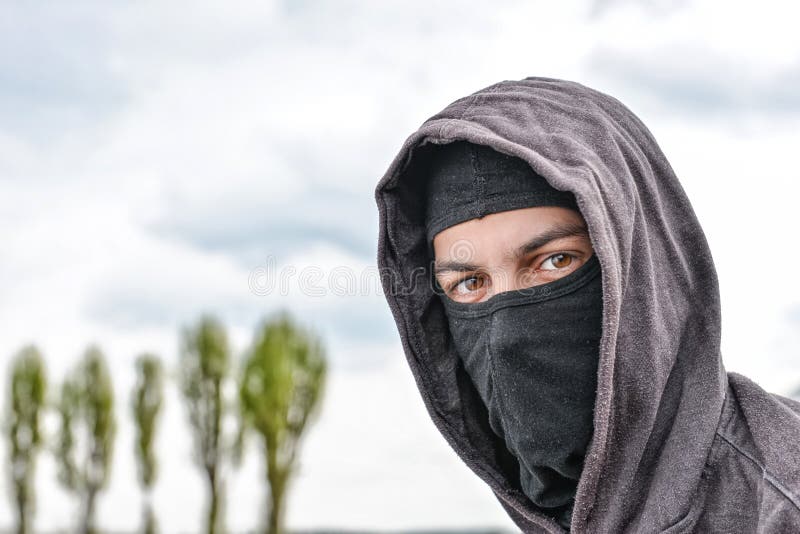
[
  {"x": 753, "y": 474},
  {"x": 792, "y": 404},
  {"x": 774, "y": 423}
]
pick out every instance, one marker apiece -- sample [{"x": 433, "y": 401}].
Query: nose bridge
[
  {"x": 501, "y": 280},
  {"x": 507, "y": 277}
]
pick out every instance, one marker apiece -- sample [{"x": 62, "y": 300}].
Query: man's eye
[
  {"x": 468, "y": 285},
  {"x": 556, "y": 261}
]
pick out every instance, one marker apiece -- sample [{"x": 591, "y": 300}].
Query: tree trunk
[
  {"x": 277, "y": 477},
  {"x": 213, "y": 511},
  {"x": 275, "y": 509},
  {"x": 88, "y": 513},
  {"x": 213, "y": 526},
  {"x": 149, "y": 525},
  {"x": 23, "y": 526}
]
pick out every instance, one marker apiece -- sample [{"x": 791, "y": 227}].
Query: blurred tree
[
  {"x": 26, "y": 404},
  {"x": 146, "y": 401},
  {"x": 87, "y": 433},
  {"x": 205, "y": 366},
  {"x": 280, "y": 387}
]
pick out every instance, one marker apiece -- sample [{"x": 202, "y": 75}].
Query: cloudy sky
[{"x": 157, "y": 158}]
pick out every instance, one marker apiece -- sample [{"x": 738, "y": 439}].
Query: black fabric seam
[{"x": 480, "y": 204}]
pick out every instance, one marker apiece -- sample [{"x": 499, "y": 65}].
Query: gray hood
[{"x": 661, "y": 383}]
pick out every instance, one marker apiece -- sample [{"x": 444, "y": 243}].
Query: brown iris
[
  {"x": 561, "y": 260},
  {"x": 474, "y": 283}
]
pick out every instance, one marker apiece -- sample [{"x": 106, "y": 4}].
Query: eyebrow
[{"x": 557, "y": 231}]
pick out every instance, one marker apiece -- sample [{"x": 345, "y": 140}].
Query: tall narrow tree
[
  {"x": 280, "y": 388},
  {"x": 205, "y": 368},
  {"x": 87, "y": 433},
  {"x": 26, "y": 403},
  {"x": 146, "y": 401}
]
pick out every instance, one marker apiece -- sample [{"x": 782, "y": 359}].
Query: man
[{"x": 566, "y": 338}]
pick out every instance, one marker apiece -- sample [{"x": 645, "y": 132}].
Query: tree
[
  {"x": 26, "y": 403},
  {"x": 280, "y": 388},
  {"x": 146, "y": 401},
  {"x": 87, "y": 433},
  {"x": 205, "y": 366}
]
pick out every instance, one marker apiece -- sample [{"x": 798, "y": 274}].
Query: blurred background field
[{"x": 163, "y": 161}]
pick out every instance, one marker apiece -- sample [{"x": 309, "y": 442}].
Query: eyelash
[{"x": 456, "y": 283}]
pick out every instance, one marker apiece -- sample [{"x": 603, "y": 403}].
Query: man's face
[{"x": 509, "y": 250}]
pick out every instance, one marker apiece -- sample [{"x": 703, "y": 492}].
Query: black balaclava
[{"x": 532, "y": 353}]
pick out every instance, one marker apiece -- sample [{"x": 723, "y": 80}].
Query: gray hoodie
[{"x": 679, "y": 445}]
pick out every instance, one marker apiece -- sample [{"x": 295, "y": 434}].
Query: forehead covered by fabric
[{"x": 468, "y": 181}]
